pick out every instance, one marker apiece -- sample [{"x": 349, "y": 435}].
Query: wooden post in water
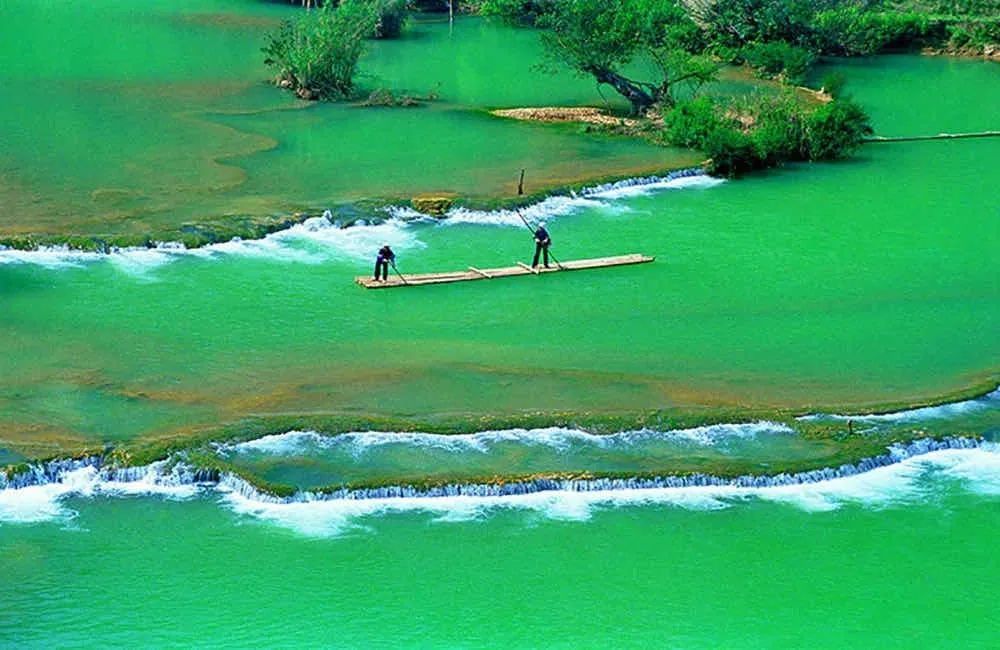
[{"x": 520, "y": 184}]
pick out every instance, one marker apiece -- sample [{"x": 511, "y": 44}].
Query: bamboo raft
[{"x": 472, "y": 273}]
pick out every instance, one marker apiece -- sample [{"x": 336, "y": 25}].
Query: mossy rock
[{"x": 435, "y": 205}]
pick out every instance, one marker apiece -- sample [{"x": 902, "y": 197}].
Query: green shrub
[
  {"x": 836, "y": 129},
  {"x": 833, "y": 84},
  {"x": 689, "y": 122},
  {"x": 762, "y": 131},
  {"x": 393, "y": 15},
  {"x": 779, "y": 59},
  {"x": 958, "y": 36},
  {"x": 974, "y": 34},
  {"x": 515, "y": 12},
  {"x": 852, "y": 31},
  {"x": 731, "y": 151},
  {"x": 317, "y": 55},
  {"x": 778, "y": 131}
]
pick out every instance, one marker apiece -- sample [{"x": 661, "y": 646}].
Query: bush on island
[
  {"x": 765, "y": 130},
  {"x": 316, "y": 56}
]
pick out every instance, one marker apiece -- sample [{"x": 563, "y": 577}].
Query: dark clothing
[
  {"x": 542, "y": 243},
  {"x": 544, "y": 249},
  {"x": 385, "y": 257}
]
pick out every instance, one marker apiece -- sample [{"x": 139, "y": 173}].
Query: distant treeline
[{"x": 783, "y": 37}]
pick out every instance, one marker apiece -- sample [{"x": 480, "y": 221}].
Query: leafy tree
[
  {"x": 850, "y": 30},
  {"x": 600, "y": 39},
  {"x": 736, "y": 23}
]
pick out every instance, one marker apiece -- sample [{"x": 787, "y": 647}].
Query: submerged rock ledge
[
  {"x": 220, "y": 231},
  {"x": 175, "y": 472}
]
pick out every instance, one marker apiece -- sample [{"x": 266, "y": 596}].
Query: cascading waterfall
[
  {"x": 173, "y": 472},
  {"x": 642, "y": 181},
  {"x": 162, "y": 472}
]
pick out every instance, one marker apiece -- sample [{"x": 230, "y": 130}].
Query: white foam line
[
  {"x": 624, "y": 189},
  {"x": 317, "y": 239},
  {"x": 902, "y": 479},
  {"x": 302, "y": 442},
  {"x": 903, "y": 482},
  {"x": 593, "y": 197},
  {"x": 942, "y": 411},
  {"x": 42, "y": 502},
  {"x": 52, "y": 257}
]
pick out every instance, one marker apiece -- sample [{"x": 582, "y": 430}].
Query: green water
[
  {"x": 900, "y": 561},
  {"x": 307, "y": 460},
  {"x": 863, "y": 282},
  {"x": 167, "y": 117},
  {"x": 816, "y": 287}
]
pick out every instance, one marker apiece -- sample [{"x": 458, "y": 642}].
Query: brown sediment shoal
[{"x": 586, "y": 114}]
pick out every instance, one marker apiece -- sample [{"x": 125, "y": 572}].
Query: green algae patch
[{"x": 433, "y": 204}]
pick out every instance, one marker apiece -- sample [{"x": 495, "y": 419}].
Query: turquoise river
[{"x": 792, "y": 319}]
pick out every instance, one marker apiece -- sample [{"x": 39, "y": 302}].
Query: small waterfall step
[{"x": 472, "y": 273}]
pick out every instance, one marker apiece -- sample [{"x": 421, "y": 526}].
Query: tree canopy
[{"x": 602, "y": 39}]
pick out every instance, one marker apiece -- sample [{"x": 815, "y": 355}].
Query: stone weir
[{"x": 168, "y": 472}]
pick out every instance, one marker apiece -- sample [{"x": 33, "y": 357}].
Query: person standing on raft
[
  {"x": 382, "y": 262},
  {"x": 542, "y": 243}
]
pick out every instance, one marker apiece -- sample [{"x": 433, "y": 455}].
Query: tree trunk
[{"x": 640, "y": 98}]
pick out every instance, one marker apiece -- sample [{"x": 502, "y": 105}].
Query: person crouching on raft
[
  {"x": 385, "y": 257},
  {"x": 542, "y": 243}
]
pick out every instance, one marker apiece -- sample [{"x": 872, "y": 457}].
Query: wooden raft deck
[{"x": 419, "y": 279}]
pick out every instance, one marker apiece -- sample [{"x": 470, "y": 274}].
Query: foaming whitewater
[
  {"x": 899, "y": 475},
  {"x": 559, "y": 438},
  {"x": 598, "y": 196},
  {"x": 319, "y": 239},
  {"x": 39, "y": 493},
  {"x": 313, "y": 241},
  {"x": 943, "y": 411}
]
